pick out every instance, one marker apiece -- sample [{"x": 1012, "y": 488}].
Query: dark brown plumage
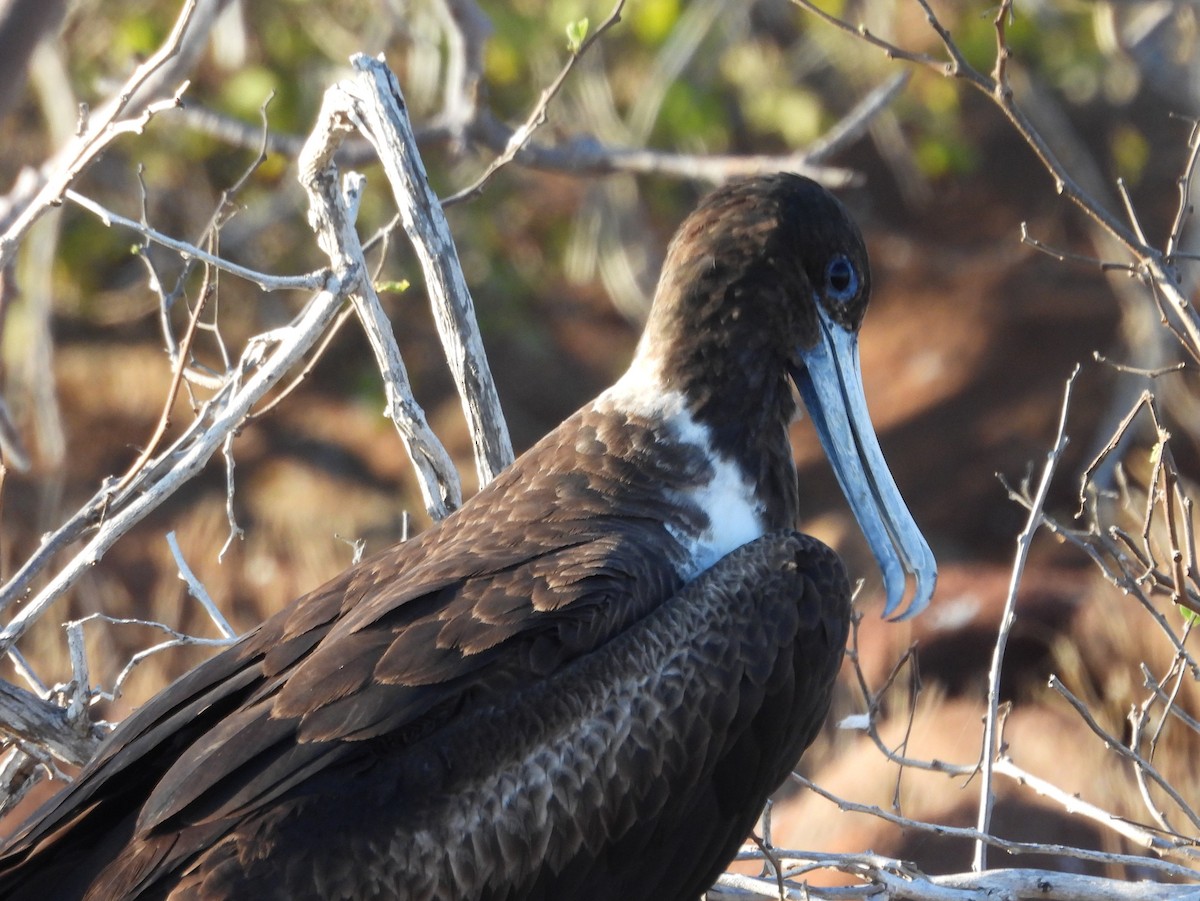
[{"x": 583, "y": 684}]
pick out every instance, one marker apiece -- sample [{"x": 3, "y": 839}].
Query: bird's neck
[{"x": 737, "y": 411}]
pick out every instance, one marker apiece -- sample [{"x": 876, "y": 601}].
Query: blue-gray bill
[{"x": 831, "y": 387}]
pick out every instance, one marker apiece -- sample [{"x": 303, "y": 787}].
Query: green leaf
[
  {"x": 576, "y": 32},
  {"x": 396, "y": 287}
]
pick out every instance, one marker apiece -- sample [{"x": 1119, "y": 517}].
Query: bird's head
[{"x": 767, "y": 283}]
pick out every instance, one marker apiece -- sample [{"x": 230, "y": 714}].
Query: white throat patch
[{"x": 734, "y": 515}]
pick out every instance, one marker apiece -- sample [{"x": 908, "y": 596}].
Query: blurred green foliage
[{"x": 756, "y": 77}]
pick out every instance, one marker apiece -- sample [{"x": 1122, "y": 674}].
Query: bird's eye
[{"x": 841, "y": 279}]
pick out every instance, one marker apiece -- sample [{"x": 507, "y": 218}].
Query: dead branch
[
  {"x": 897, "y": 881},
  {"x": 124, "y": 113},
  {"x": 991, "y": 746},
  {"x": 372, "y": 101}
]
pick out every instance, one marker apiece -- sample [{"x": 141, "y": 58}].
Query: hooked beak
[{"x": 831, "y": 386}]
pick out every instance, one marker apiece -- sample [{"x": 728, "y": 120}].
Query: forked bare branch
[{"x": 113, "y": 119}]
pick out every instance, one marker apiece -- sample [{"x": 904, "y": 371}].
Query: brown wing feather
[
  {"x": 667, "y": 737},
  {"x": 253, "y": 757},
  {"x": 531, "y": 573}
]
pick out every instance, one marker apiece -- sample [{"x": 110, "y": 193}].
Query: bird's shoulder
[{"x": 561, "y": 552}]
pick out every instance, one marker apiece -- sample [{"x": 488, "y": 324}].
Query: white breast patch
[{"x": 734, "y": 514}]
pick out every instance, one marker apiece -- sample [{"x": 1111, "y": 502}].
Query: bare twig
[
  {"x": 329, "y": 203},
  {"x": 113, "y": 119},
  {"x": 874, "y": 700},
  {"x": 1153, "y": 265},
  {"x": 176, "y": 639},
  {"x": 1064, "y": 256},
  {"x": 1165, "y": 867},
  {"x": 1117, "y": 745},
  {"x": 1138, "y": 371},
  {"x": 164, "y": 419},
  {"x": 1183, "y": 210},
  {"x": 188, "y": 251},
  {"x": 304, "y": 373},
  {"x": 857, "y": 121},
  {"x": 537, "y": 117},
  {"x": 12, "y": 449},
  {"x": 1004, "y": 765},
  {"x": 372, "y": 101},
  {"x": 1170, "y": 706},
  {"x": 893, "y": 880},
  {"x": 197, "y": 590},
  {"x": 1073, "y": 804},
  {"x": 20, "y": 772},
  {"x": 179, "y": 462},
  {"x": 579, "y": 156},
  {"x": 25, "y": 716},
  {"x": 1137, "y": 722},
  {"x": 1008, "y": 618}
]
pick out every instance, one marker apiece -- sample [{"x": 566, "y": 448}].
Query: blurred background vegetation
[{"x": 965, "y": 352}]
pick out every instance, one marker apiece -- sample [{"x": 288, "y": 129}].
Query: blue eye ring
[{"x": 841, "y": 279}]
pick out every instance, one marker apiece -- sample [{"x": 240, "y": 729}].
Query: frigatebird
[{"x": 585, "y": 682}]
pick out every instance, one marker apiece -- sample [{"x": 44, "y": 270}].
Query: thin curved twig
[{"x": 991, "y": 747}]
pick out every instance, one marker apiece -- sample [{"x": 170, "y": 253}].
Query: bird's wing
[
  {"x": 406, "y": 671},
  {"x": 387, "y": 651},
  {"x": 539, "y": 567},
  {"x": 666, "y": 737}
]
